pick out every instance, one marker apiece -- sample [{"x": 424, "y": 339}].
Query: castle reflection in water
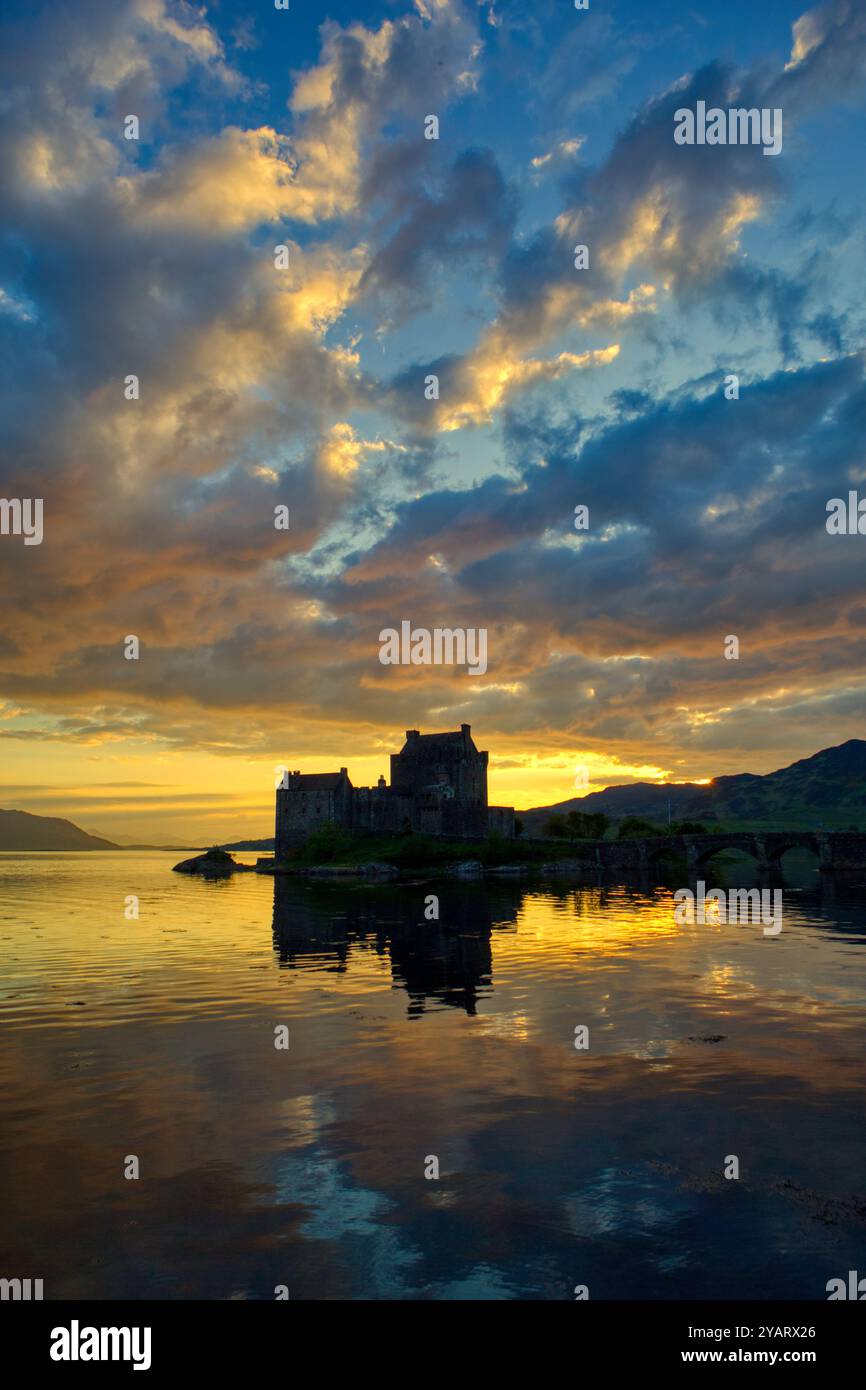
[
  {"x": 320, "y": 924},
  {"x": 447, "y": 961}
]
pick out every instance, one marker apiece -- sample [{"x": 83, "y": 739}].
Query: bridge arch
[
  {"x": 704, "y": 848},
  {"x": 709, "y": 857},
  {"x": 836, "y": 851},
  {"x": 780, "y": 843},
  {"x": 658, "y": 850}
]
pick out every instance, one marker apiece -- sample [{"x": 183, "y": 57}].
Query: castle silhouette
[{"x": 438, "y": 787}]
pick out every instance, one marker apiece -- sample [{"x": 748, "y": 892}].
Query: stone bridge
[{"x": 836, "y": 850}]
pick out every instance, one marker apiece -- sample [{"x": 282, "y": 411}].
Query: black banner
[{"x": 82, "y": 1339}]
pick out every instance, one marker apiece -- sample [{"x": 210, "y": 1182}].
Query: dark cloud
[{"x": 471, "y": 218}]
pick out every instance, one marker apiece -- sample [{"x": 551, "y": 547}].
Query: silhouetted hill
[
  {"x": 829, "y": 788},
  {"x": 250, "y": 846},
  {"x": 21, "y": 831}
]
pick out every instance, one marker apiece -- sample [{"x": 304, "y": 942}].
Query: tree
[
  {"x": 555, "y": 827},
  {"x": 586, "y": 825},
  {"x": 634, "y": 828},
  {"x": 577, "y": 825}
]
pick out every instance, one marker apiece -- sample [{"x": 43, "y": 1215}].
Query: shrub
[{"x": 325, "y": 845}]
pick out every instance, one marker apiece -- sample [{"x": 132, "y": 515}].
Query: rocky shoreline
[{"x": 220, "y": 864}]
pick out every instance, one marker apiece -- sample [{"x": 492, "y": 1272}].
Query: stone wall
[
  {"x": 306, "y": 804},
  {"x": 500, "y": 821}
]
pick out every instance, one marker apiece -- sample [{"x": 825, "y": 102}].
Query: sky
[{"x": 300, "y": 380}]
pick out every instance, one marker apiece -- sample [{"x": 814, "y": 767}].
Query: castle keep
[{"x": 438, "y": 787}]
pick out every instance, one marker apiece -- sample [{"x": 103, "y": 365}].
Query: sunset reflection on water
[{"x": 412, "y": 1038}]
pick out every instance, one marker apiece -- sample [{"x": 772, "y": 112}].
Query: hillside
[
  {"x": 827, "y": 789},
  {"x": 250, "y": 846},
  {"x": 20, "y": 831}
]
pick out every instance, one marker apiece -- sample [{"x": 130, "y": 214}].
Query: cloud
[
  {"x": 473, "y": 216},
  {"x": 828, "y": 55},
  {"x": 243, "y": 179},
  {"x": 728, "y": 502},
  {"x": 562, "y": 151},
  {"x": 259, "y": 387}
]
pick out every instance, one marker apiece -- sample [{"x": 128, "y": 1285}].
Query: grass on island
[{"x": 409, "y": 851}]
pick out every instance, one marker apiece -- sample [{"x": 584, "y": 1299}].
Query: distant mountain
[
  {"x": 827, "y": 789},
  {"x": 248, "y": 846},
  {"x": 21, "y": 831}
]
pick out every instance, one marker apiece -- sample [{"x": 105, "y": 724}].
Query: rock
[
  {"x": 469, "y": 868},
  {"x": 511, "y": 869},
  {"x": 214, "y": 863},
  {"x": 370, "y": 870},
  {"x": 333, "y": 871}
]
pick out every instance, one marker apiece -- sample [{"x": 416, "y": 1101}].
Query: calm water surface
[{"x": 410, "y": 1039}]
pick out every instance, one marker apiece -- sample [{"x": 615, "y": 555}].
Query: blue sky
[{"x": 305, "y": 387}]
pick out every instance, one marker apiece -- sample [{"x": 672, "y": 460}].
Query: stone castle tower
[{"x": 438, "y": 787}]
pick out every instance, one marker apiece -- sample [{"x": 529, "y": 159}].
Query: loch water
[{"x": 413, "y": 1040}]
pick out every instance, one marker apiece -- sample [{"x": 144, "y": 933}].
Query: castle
[{"x": 438, "y": 787}]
